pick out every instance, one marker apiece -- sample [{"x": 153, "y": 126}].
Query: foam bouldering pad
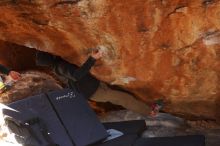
[
  {"x": 78, "y": 118},
  {"x": 40, "y": 107},
  {"x": 189, "y": 140}
]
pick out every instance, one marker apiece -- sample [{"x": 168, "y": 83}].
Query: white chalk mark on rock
[
  {"x": 212, "y": 39},
  {"x": 123, "y": 80}
]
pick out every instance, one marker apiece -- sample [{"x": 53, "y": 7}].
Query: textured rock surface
[{"x": 156, "y": 49}]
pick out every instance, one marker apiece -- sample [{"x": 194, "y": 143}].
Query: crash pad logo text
[{"x": 68, "y": 95}]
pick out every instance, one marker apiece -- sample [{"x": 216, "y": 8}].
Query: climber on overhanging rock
[
  {"x": 11, "y": 77},
  {"x": 78, "y": 78},
  {"x": 89, "y": 86}
]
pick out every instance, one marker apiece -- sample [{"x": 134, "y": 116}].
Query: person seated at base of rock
[
  {"x": 11, "y": 77},
  {"x": 78, "y": 77}
]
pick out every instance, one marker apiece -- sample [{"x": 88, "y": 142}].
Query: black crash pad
[
  {"x": 189, "y": 140},
  {"x": 77, "y": 117},
  {"x": 134, "y": 140},
  {"x": 41, "y": 107},
  {"x": 67, "y": 116}
]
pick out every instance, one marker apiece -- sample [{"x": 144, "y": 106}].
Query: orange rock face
[{"x": 167, "y": 49}]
